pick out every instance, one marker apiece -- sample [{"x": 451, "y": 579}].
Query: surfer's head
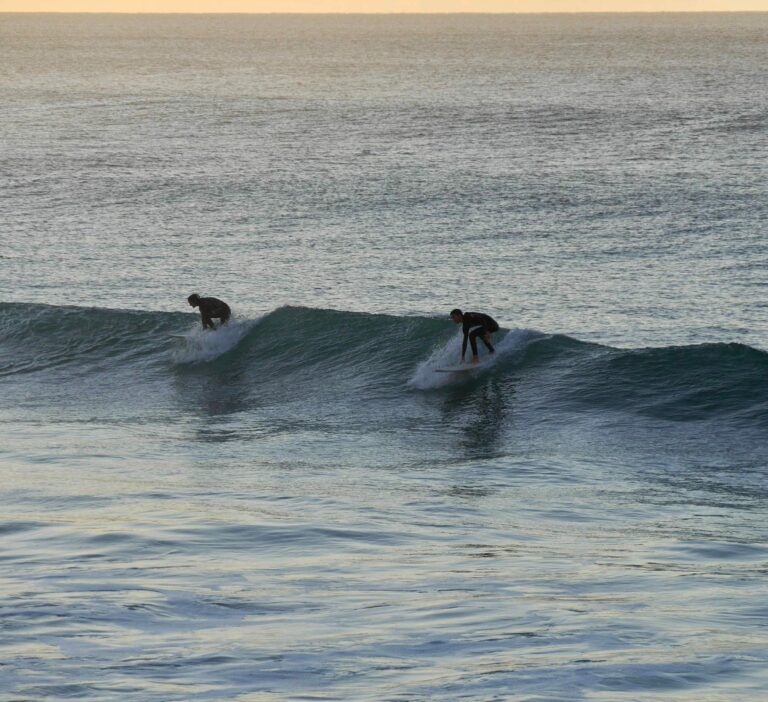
[
  {"x": 457, "y": 316},
  {"x": 194, "y": 300}
]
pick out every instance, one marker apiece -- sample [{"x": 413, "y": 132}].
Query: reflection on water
[
  {"x": 482, "y": 412},
  {"x": 215, "y": 395}
]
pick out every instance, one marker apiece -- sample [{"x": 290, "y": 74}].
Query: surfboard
[{"x": 461, "y": 369}]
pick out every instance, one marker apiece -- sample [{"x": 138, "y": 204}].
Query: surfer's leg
[
  {"x": 223, "y": 319},
  {"x": 486, "y": 337},
  {"x": 473, "y": 342}
]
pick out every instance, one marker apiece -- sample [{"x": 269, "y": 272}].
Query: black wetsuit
[
  {"x": 212, "y": 308},
  {"x": 474, "y": 325}
]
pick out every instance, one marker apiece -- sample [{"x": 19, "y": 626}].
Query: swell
[
  {"x": 679, "y": 383},
  {"x": 312, "y": 354},
  {"x": 37, "y": 337}
]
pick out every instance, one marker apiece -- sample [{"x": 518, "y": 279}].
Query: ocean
[{"x": 299, "y": 506}]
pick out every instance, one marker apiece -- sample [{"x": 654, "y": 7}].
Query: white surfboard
[{"x": 464, "y": 368}]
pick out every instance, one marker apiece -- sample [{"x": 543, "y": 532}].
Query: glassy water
[{"x": 299, "y": 506}]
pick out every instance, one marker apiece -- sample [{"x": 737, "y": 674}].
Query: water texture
[{"x": 299, "y": 506}]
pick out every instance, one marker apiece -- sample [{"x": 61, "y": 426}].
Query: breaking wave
[{"x": 301, "y": 351}]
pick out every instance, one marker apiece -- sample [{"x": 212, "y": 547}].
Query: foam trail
[
  {"x": 202, "y": 345},
  {"x": 426, "y": 377}
]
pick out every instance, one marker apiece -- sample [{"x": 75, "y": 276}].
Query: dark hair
[
  {"x": 457, "y": 311},
  {"x": 193, "y": 299}
]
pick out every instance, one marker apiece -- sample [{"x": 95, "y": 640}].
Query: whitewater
[{"x": 298, "y": 506}]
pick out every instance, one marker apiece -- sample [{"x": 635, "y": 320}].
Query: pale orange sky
[{"x": 257, "y": 6}]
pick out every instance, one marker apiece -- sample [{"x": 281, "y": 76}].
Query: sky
[{"x": 257, "y": 6}]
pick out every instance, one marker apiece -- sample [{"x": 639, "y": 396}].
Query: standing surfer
[
  {"x": 210, "y": 308},
  {"x": 475, "y": 324}
]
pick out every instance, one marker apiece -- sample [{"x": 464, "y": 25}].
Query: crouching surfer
[
  {"x": 210, "y": 308},
  {"x": 475, "y": 325}
]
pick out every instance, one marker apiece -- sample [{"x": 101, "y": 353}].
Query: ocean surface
[{"x": 298, "y": 506}]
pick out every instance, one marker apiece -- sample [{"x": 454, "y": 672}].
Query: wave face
[{"x": 341, "y": 359}]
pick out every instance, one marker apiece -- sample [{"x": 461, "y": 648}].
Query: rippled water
[{"x": 299, "y": 506}]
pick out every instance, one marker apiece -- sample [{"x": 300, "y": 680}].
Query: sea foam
[
  {"x": 427, "y": 377},
  {"x": 203, "y": 345}
]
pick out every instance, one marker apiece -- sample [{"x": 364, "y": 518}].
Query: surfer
[
  {"x": 475, "y": 325},
  {"x": 210, "y": 308}
]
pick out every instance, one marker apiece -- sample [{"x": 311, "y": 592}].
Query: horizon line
[{"x": 390, "y": 14}]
